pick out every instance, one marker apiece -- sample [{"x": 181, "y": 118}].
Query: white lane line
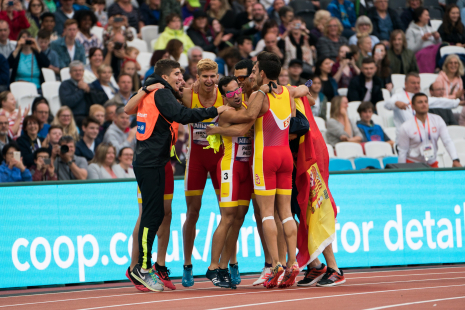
[
  {"x": 402, "y": 275},
  {"x": 414, "y": 303},
  {"x": 321, "y": 297}
]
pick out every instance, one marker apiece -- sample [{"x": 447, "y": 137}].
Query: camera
[
  {"x": 28, "y": 42},
  {"x": 349, "y": 55},
  {"x": 118, "y": 19},
  {"x": 11, "y": 3},
  {"x": 64, "y": 149},
  {"x": 118, "y": 46},
  {"x": 47, "y": 161}
]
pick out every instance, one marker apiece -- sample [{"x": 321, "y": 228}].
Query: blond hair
[
  {"x": 335, "y": 110},
  {"x": 340, "y": 28},
  {"x": 321, "y": 15},
  {"x": 224, "y": 8},
  {"x": 101, "y": 153},
  {"x": 361, "y": 39},
  {"x": 449, "y": 58},
  {"x": 103, "y": 67},
  {"x": 206, "y": 65},
  {"x": 96, "y": 108},
  {"x": 71, "y": 129},
  {"x": 362, "y": 20}
]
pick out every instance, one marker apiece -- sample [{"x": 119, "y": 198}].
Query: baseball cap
[
  {"x": 194, "y": 3},
  {"x": 296, "y": 62},
  {"x": 199, "y": 14}
]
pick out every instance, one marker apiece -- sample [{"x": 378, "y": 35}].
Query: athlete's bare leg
[
  {"x": 290, "y": 229},
  {"x": 229, "y": 253},
  {"x": 329, "y": 257},
  {"x": 258, "y": 220},
  {"x": 188, "y": 231},
  {"x": 266, "y": 204},
  {"x": 282, "y": 249},
  {"x": 228, "y": 216},
  {"x": 163, "y": 234}
]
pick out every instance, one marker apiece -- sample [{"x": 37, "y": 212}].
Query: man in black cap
[{"x": 295, "y": 70}]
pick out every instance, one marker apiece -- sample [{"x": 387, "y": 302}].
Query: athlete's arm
[
  {"x": 300, "y": 91},
  {"x": 236, "y": 130},
  {"x": 186, "y": 97},
  {"x": 256, "y": 103},
  {"x": 133, "y": 103}
]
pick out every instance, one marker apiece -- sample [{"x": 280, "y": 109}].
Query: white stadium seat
[
  {"x": 64, "y": 74},
  {"x": 98, "y": 31},
  {"x": 435, "y": 24},
  {"x": 460, "y": 146},
  {"x": 49, "y": 75},
  {"x": 386, "y": 115},
  {"x": 342, "y": 91},
  {"x": 330, "y": 150},
  {"x": 149, "y": 33},
  {"x": 50, "y": 92},
  {"x": 144, "y": 60},
  {"x": 183, "y": 60},
  {"x": 328, "y": 110},
  {"x": 320, "y": 123},
  {"x": 377, "y": 149},
  {"x": 451, "y": 49},
  {"x": 209, "y": 55},
  {"x": 352, "y": 110},
  {"x": 426, "y": 79},
  {"x": 386, "y": 94},
  {"x": 24, "y": 93},
  {"x": 456, "y": 132},
  {"x": 139, "y": 44},
  {"x": 349, "y": 150},
  {"x": 377, "y": 120},
  {"x": 391, "y": 132},
  {"x": 398, "y": 82}
]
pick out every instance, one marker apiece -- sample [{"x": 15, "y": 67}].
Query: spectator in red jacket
[
  {"x": 15, "y": 16},
  {"x": 42, "y": 170}
]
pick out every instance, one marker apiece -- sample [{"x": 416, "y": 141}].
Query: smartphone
[
  {"x": 118, "y": 19},
  {"x": 297, "y": 25},
  {"x": 47, "y": 161},
  {"x": 17, "y": 156},
  {"x": 11, "y": 3},
  {"x": 118, "y": 45},
  {"x": 378, "y": 51},
  {"x": 349, "y": 55},
  {"x": 28, "y": 42}
]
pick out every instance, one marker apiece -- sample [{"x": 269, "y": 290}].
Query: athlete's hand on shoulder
[
  {"x": 195, "y": 87},
  {"x": 223, "y": 108},
  {"x": 155, "y": 86},
  {"x": 211, "y": 130}
]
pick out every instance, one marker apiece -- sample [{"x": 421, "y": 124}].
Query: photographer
[
  {"x": 43, "y": 170},
  {"x": 344, "y": 69},
  {"x": 69, "y": 166},
  {"x": 51, "y": 142},
  {"x": 13, "y": 13},
  {"x": 115, "y": 53},
  {"x": 27, "y": 52},
  {"x": 297, "y": 42}
]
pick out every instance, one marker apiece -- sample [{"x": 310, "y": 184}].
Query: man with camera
[
  {"x": 68, "y": 165},
  {"x": 67, "y": 48},
  {"x": 114, "y": 52},
  {"x": 43, "y": 168}
]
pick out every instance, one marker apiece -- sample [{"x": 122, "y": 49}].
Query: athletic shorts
[
  {"x": 236, "y": 183},
  {"x": 199, "y": 163},
  {"x": 169, "y": 184},
  {"x": 272, "y": 171}
]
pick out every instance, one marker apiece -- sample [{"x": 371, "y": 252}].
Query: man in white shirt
[
  {"x": 400, "y": 102},
  {"x": 418, "y": 137},
  {"x": 6, "y": 46}
]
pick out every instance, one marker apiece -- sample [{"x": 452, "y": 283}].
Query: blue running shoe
[
  {"x": 235, "y": 275},
  {"x": 187, "y": 276}
]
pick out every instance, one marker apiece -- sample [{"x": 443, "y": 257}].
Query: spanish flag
[{"x": 317, "y": 207}]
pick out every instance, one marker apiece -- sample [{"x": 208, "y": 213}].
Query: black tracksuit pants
[{"x": 151, "y": 181}]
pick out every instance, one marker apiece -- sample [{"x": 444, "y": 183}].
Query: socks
[
  {"x": 268, "y": 265},
  {"x": 161, "y": 268},
  {"x": 232, "y": 265},
  {"x": 187, "y": 266},
  {"x": 144, "y": 271},
  {"x": 319, "y": 266}
]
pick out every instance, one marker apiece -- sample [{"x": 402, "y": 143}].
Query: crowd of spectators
[{"x": 342, "y": 44}]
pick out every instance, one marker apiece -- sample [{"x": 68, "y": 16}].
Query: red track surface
[{"x": 440, "y": 287}]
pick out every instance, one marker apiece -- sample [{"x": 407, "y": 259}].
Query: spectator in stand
[
  {"x": 40, "y": 170},
  {"x": 329, "y": 84},
  {"x": 67, "y": 47},
  {"x": 41, "y": 110},
  {"x": 124, "y": 168},
  {"x": 175, "y": 49},
  {"x": 437, "y": 90},
  {"x": 245, "y": 47},
  {"x": 50, "y": 5},
  {"x": 115, "y": 53},
  {"x": 385, "y": 20},
  {"x": 150, "y": 12},
  {"x": 51, "y": 142},
  {"x": 369, "y": 130},
  {"x": 173, "y": 30},
  {"x": 419, "y": 34},
  {"x": 344, "y": 10},
  {"x": 270, "y": 26},
  {"x": 227, "y": 59},
  {"x": 402, "y": 59},
  {"x": 43, "y": 40},
  {"x": 452, "y": 29},
  {"x": 245, "y": 16},
  {"x": 34, "y": 10},
  {"x": 101, "y": 167},
  {"x": 344, "y": 69},
  {"x": 13, "y": 13},
  {"x": 110, "y": 114},
  {"x": 13, "y": 170},
  {"x": 193, "y": 55},
  {"x": 95, "y": 61},
  {"x": 329, "y": 44},
  {"x": 219, "y": 31},
  {"x": 366, "y": 86},
  {"x": 274, "y": 45},
  {"x": 62, "y": 15},
  {"x": 85, "y": 21},
  {"x": 117, "y": 25},
  {"x": 124, "y": 7},
  {"x": 125, "y": 90},
  {"x": 295, "y": 70},
  {"x": 48, "y": 24},
  {"x": 73, "y": 92},
  {"x": 221, "y": 10},
  {"x": 339, "y": 127},
  {"x": 417, "y": 143},
  {"x": 320, "y": 106},
  {"x": 297, "y": 43},
  {"x": 98, "y": 7},
  {"x": 65, "y": 120},
  {"x": 103, "y": 87},
  {"x": 4, "y": 139},
  {"x": 119, "y": 134},
  {"x": 27, "y": 60},
  {"x": 129, "y": 68},
  {"x": 4, "y": 74},
  {"x": 6, "y": 46},
  {"x": 383, "y": 66},
  {"x": 68, "y": 165},
  {"x": 88, "y": 144},
  {"x": 363, "y": 27},
  {"x": 202, "y": 35},
  {"x": 8, "y": 108},
  {"x": 364, "y": 49},
  {"x": 283, "y": 78},
  {"x": 450, "y": 77},
  {"x": 286, "y": 15},
  {"x": 319, "y": 22},
  {"x": 273, "y": 12},
  {"x": 156, "y": 56},
  {"x": 189, "y": 80},
  {"x": 259, "y": 17},
  {"x": 97, "y": 111},
  {"x": 407, "y": 15}
]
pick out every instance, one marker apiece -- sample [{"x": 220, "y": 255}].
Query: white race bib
[
  {"x": 199, "y": 133},
  {"x": 244, "y": 149}
]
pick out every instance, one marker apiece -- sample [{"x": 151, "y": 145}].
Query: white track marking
[
  {"x": 403, "y": 275},
  {"x": 414, "y": 303},
  {"x": 328, "y": 296}
]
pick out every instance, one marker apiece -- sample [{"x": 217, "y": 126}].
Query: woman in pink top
[
  {"x": 15, "y": 119},
  {"x": 450, "y": 77}
]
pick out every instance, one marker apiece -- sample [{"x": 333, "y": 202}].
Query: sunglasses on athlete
[
  {"x": 241, "y": 78},
  {"x": 231, "y": 94}
]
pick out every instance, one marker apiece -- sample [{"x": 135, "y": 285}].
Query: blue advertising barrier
[{"x": 81, "y": 232}]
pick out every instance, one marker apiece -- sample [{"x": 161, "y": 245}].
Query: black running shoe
[
  {"x": 212, "y": 275},
  {"x": 312, "y": 276},
  {"x": 224, "y": 278},
  {"x": 331, "y": 278}
]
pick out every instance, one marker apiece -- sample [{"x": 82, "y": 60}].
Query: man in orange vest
[{"x": 157, "y": 108}]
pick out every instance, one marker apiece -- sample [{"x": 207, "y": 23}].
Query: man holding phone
[{"x": 43, "y": 170}]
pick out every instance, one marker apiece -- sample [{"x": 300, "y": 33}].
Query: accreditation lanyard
[
  {"x": 419, "y": 132},
  {"x": 410, "y": 102}
]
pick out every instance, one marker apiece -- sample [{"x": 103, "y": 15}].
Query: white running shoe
[{"x": 266, "y": 272}]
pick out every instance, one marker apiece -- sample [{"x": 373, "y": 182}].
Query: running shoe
[
  {"x": 149, "y": 279},
  {"x": 272, "y": 280},
  {"x": 312, "y": 276},
  {"x": 235, "y": 275},
  {"x": 281, "y": 277},
  {"x": 212, "y": 275},
  {"x": 163, "y": 274},
  {"x": 224, "y": 278},
  {"x": 136, "y": 283},
  {"x": 266, "y": 271},
  {"x": 331, "y": 278},
  {"x": 187, "y": 276},
  {"x": 289, "y": 276}
]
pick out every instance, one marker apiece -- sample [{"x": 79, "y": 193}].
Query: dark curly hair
[{"x": 81, "y": 14}]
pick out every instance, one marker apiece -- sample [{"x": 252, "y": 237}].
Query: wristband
[
  {"x": 262, "y": 92},
  {"x": 146, "y": 90}
]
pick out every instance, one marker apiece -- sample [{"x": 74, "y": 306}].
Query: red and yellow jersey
[
  {"x": 237, "y": 148},
  {"x": 197, "y": 133}
]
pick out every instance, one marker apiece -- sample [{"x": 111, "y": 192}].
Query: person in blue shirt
[
  {"x": 370, "y": 131},
  {"x": 12, "y": 170},
  {"x": 344, "y": 10},
  {"x": 67, "y": 47},
  {"x": 150, "y": 12},
  {"x": 41, "y": 110}
]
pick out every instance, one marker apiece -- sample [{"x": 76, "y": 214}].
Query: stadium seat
[
  {"x": 435, "y": 24},
  {"x": 375, "y": 118},
  {"x": 398, "y": 81},
  {"x": 457, "y": 110},
  {"x": 49, "y": 75},
  {"x": 342, "y": 91},
  {"x": 395, "y": 4},
  {"x": 209, "y": 55},
  {"x": 320, "y": 123},
  {"x": 460, "y": 146},
  {"x": 328, "y": 110},
  {"x": 301, "y": 6},
  {"x": 149, "y": 33},
  {"x": 456, "y": 132},
  {"x": 386, "y": 115},
  {"x": 337, "y": 164},
  {"x": 352, "y": 110},
  {"x": 435, "y": 12},
  {"x": 50, "y": 92},
  {"x": 451, "y": 49},
  {"x": 330, "y": 150},
  {"x": 364, "y": 162},
  {"x": 139, "y": 44},
  {"x": 390, "y": 160},
  {"x": 183, "y": 60},
  {"x": 24, "y": 93},
  {"x": 426, "y": 79},
  {"x": 64, "y": 74},
  {"x": 349, "y": 150},
  {"x": 386, "y": 94},
  {"x": 391, "y": 132},
  {"x": 324, "y": 4},
  {"x": 377, "y": 149},
  {"x": 144, "y": 60},
  {"x": 98, "y": 31},
  {"x": 134, "y": 32}
]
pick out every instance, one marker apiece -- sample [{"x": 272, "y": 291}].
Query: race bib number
[
  {"x": 199, "y": 134},
  {"x": 244, "y": 149},
  {"x": 226, "y": 176}
]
